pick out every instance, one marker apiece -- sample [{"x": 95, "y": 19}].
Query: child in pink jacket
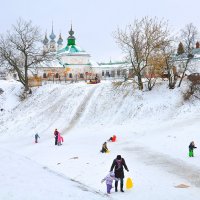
[
  {"x": 109, "y": 179},
  {"x": 60, "y": 139}
]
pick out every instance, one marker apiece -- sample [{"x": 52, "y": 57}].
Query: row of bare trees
[{"x": 148, "y": 45}]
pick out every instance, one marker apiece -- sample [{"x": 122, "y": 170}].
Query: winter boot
[{"x": 116, "y": 184}]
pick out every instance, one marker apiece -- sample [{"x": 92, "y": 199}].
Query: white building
[{"x": 72, "y": 62}]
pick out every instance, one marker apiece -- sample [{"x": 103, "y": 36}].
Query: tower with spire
[
  {"x": 52, "y": 44},
  {"x": 71, "y": 39},
  {"x": 45, "y": 44},
  {"x": 59, "y": 42}
]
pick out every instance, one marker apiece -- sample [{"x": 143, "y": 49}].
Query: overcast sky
[{"x": 94, "y": 21}]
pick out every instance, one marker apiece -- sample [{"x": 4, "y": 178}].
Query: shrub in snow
[{"x": 1, "y": 91}]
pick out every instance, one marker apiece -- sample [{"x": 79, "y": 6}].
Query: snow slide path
[
  {"x": 173, "y": 166},
  {"x": 80, "y": 110}
]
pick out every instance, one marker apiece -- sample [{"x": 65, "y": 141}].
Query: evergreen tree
[{"x": 180, "y": 49}]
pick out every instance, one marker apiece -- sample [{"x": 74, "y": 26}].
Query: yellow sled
[
  {"x": 129, "y": 183},
  {"x": 107, "y": 151}
]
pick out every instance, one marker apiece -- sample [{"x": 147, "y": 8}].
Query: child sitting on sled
[
  {"x": 112, "y": 139},
  {"x": 104, "y": 148},
  {"x": 109, "y": 179}
]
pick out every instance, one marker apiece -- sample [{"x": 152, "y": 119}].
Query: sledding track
[
  {"x": 80, "y": 110},
  {"x": 173, "y": 166}
]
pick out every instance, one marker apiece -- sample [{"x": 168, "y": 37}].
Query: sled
[
  {"x": 181, "y": 186},
  {"x": 93, "y": 81},
  {"x": 129, "y": 183},
  {"x": 108, "y": 151}
]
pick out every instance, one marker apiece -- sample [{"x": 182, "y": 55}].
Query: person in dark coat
[
  {"x": 118, "y": 165},
  {"x": 96, "y": 79},
  {"x": 191, "y": 148},
  {"x": 104, "y": 148},
  {"x": 110, "y": 139},
  {"x": 36, "y": 137},
  {"x": 56, "y": 136}
]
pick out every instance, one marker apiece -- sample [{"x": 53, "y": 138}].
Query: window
[
  {"x": 102, "y": 73},
  {"x": 57, "y": 75},
  {"x": 70, "y": 75},
  {"x": 44, "y": 75},
  {"x": 130, "y": 72},
  {"x": 112, "y": 73},
  {"x": 118, "y": 72},
  {"x": 81, "y": 76},
  {"x": 124, "y": 72},
  {"x": 107, "y": 73}
]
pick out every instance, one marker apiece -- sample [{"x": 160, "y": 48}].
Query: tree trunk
[
  {"x": 26, "y": 73},
  {"x": 183, "y": 73},
  {"x": 140, "y": 83},
  {"x": 149, "y": 85}
]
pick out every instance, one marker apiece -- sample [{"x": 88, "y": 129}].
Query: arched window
[
  {"x": 81, "y": 76},
  {"x": 107, "y": 73},
  {"x": 57, "y": 75},
  {"x": 112, "y": 73},
  {"x": 44, "y": 75}
]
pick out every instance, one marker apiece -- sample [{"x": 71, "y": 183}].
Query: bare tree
[
  {"x": 169, "y": 63},
  {"x": 189, "y": 36},
  {"x": 20, "y": 49},
  {"x": 141, "y": 41}
]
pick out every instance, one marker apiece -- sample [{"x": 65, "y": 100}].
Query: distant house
[{"x": 194, "y": 64}]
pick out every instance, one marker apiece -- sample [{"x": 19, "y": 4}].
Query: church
[
  {"x": 73, "y": 63},
  {"x": 70, "y": 63}
]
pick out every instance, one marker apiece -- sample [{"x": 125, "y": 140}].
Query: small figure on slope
[
  {"x": 109, "y": 179},
  {"x": 104, "y": 148},
  {"x": 191, "y": 148},
  {"x": 112, "y": 139},
  {"x": 60, "y": 139},
  {"x": 56, "y": 136},
  {"x": 118, "y": 165},
  {"x": 36, "y": 137}
]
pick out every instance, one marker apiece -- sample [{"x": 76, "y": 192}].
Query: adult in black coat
[
  {"x": 118, "y": 165},
  {"x": 56, "y": 136}
]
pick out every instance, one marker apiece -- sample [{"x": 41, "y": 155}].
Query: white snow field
[{"x": 153, "y": 132}]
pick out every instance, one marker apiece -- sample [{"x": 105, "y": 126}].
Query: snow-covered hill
[{"x": 153, "y": 133}]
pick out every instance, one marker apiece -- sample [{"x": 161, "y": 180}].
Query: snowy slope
[
  {"x": 24, "y": 179},
  {"x": 153, "y": 133}
]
